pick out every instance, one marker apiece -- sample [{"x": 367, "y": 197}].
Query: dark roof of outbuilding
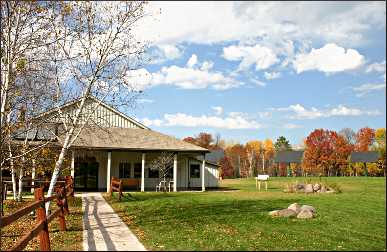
[
  {"x": 213, "y": 157},
  {"x": 288, "y": 157},
  {"x": 364, "y": 156}
]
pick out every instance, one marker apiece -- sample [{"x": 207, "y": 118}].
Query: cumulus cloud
[
  {"x": 343, "y": 23},
  {"x": 218, "y": 110},
  {"x": 364, "y": 89},
  {"x": 192, "y": 61},
  {"x": 292, "y": 126},
  {"x": 260, "y": 56},
  {"x": 272, "y": 75},
  {"x": 300, "y": 112},
  {"x": 164, "y": 52},
  {"x": 379, "y": 67},
  {"x": 183, "y": 77},
  {"x": 330, "y": 58},
  {"x": 232, "y": 121}
]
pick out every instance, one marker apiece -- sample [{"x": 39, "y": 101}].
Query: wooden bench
[{"x": 131, "y": 182}]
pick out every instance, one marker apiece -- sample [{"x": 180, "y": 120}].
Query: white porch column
[
  {"x": 175, "y": 172},
  {"x": 109, "y": 166},
  {"x": 143, "y": 173},
  {"x": 203, "y": 172},
  {"x": 72, "y": 164},
  {"x": 33, "y": 175}
]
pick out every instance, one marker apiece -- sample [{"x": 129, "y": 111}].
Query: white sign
[{"x": 263, "y": 177}]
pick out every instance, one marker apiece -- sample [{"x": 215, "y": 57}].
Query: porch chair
[{"x": 161, "y": 185}]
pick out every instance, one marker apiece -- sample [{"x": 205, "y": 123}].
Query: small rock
[
  {"x": 305, "y": 214},
  {"x": 309, "y": 208},
  {"x": 309, "y": 188},
  {"x": 295, "y": 207},
  {"x": 316, "y": 187}
]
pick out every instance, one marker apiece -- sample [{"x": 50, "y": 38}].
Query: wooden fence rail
[
  {"x": 116, "y": 186},
  {"x": 41, "y": 227}
]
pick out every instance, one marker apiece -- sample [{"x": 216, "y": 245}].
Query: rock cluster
[
  {"x": 309, "y": 188},
  {"x": 295, "y": 210}
]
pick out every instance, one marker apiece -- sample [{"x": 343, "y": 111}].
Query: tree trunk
[
  {"x": 58, "y": 166},
  {"x": 21, "y": 175}
]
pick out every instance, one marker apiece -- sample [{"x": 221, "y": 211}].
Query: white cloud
[
  {"x": 258, "y": 82},
  {"x": 377, "y": 67},
  {"x": 329, "y": 59},
  {"x": 345, "y": 22},
  {"x": 143, "y": 100},
  {"x": 302, "y": 113},
  {"x": 165, "y": 52},
  {"x": 292, "y": 126},
  {"x": 260, "y": 56},
  {"x": 186, "y": 78},
  {"x": 207, "y": 65},
  {"x": 192, "y": 61},
  {"x": 148, "y": 122},
  {"x": 368, "y": 88},
  {"x": 232, "y": 121},
  {"x": 272, "y": 75},
  {"x": 218, "y": 110}
]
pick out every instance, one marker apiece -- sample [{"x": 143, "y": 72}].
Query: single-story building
[{"x": 117, "y": 145}]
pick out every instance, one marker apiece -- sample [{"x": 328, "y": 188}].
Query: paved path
[{"x": 103, "y": 229}]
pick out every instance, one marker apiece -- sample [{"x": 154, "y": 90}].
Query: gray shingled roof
[
  {"x": 131, "y": 139},
  {"x": 364, "y": 156},
  {"x": 289, "y": 157}
]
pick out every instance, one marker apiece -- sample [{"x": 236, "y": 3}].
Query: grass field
[{"x": 238, "y": 219}]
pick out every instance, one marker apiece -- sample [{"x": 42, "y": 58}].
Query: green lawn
[{"x": 238, "y": 220}]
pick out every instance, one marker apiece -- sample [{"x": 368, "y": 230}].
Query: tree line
[{"x": 326, "y": 153}]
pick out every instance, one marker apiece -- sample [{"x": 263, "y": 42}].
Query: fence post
[
  {"x": 59, "y": 201},
  {"x": 120, "y": 190},
  {"x": 44, "y": 239}
]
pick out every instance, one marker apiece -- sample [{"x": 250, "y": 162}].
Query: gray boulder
[
  {"x": 283, "y": 213},
  {"x": 308, "y": 188},
  {"x": 308, "y": 208},
  {"x": 295, "y": 207},
  {"x": 305, "y": 214},
  {"x": 316, "y": 187}
]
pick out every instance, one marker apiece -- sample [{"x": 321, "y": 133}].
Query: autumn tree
[
  {"x": 325, "y": 152},
  {"x": 237, "y": 156},
  {"x": 349, "y": 135},
  {"x": 226, "y": 168},
  {"x": 204, "y": 140},
  {"x": 253, "y": 153},
  {"x": 380, "y": 146},
  {"x": 364, "y": 139},
  {"x": 269, "y": 152}
]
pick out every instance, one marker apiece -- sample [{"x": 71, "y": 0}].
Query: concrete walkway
[{"x": 103, "y": 229}]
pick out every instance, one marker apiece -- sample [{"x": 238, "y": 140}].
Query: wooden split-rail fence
[
  {"x": 116, "y": 186},
  {"x": 62, "y": 192}
]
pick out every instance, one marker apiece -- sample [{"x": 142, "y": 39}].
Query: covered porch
[{"x": 93, "y": 170}]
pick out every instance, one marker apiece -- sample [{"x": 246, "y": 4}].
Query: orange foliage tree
[{"x": 364, "y": 139}]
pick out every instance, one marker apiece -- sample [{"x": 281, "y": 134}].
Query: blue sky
[{"x": 254, "y": 70}]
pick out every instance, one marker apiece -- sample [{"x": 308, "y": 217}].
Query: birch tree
[
  {"x": 23, "y": 41},
  {"x": 95, "y": 54}
]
